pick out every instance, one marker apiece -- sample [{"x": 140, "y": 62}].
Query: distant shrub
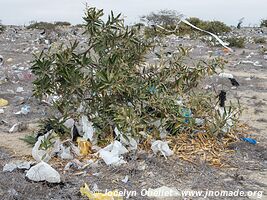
[
  {"x": 263, "y": 23},
  {"x": 58, "y": 23},
  {"x": 260, "y": 40},
  {"x": 216, "y": 27},
  {"x": 139, "y": 24},
  {"x": 238, "y": 42},
  {"x": 42, "y": 25},
  {"x": 2, "y": 27}
]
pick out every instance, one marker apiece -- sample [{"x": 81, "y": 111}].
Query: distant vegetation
[
  {"x": 58, "y": 23},
  {"x": 169, "y": 19},
  {"x": 263, "y": 23},
  {"x": 2, "y": 27},
  {"x": 260, "y": 40},
  {"x": 238, "y": 42},
  {"x": 47, "y": 25}
]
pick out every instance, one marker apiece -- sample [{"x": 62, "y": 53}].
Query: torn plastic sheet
[
  {"x": 163, "y": 147},
  {"x": 18, "y": 164},
  {"x": 88, "y": 128},
  {"x": 128, "y": 141},
  {"x": 193, "y": 26},
  {"x": 226, "y": 75},
  {"x": 43, "y": 172},
  {"x": 111, "y": 154}
]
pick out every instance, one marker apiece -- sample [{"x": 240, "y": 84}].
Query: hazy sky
[{"x": 229, "y": 11}]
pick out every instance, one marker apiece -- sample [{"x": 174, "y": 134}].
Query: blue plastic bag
[{"x": 249, "y": 140}]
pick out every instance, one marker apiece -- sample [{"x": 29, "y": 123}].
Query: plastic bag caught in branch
[{"x": 39, "y": 154}]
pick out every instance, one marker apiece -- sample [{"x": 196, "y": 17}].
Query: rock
[{"x": 43, "y": 172}]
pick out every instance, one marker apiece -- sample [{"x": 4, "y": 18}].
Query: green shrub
[
  {"x": 2, "y": 27},
  {"x": 59, "y": 23},
  {"x": 42, "y": 25},
  {"x": 112, "y": 84},
  {"x": 263, "y": 23},
  {"x": 238, "y": 42},
  {"x": 260, "y": 40}
]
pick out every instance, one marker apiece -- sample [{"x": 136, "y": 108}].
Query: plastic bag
[
  {"x": 113, "y": 195},
  {"x": 43, "y": 172},
  {"x": 163, "y": 147}
]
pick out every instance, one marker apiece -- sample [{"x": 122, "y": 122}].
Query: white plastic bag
[
  {"x": 111, "y": 154},
  {"x": 43, "y": 172},
  {"x": 163, "y": 147}
]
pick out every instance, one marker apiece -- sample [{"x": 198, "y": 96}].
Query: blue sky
[{"x": 229, "y": 11}]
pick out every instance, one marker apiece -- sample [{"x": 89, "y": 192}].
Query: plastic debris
[
  {"x": 43, "y": 172},
  {"x": 125, "y": 179},
  {"x": 163, "y": 147},
  {"x": 24, "y": 110},
  {"x": 65, "y": 153},
  {"x": 69, "y": 123},
  {"x": 226, "y": 75},
  {"x": 20, "y": 89},
  {"x": 1, "y": 60},
  {"x": 88, "y": 128},
  {"x": 2, "y": 111},
  {"x": 39, "y": 154},
  {"x": 112, "y": 195},
  {"x": 111, "y": 154},
  {"x": 249, "y": 140},
  {"x": 18, "y": 164},
  {"x": 84, "y": 146},
  {"x": 163, "y": 192},
  {"x": 3, "y": 102},
  {"x": 18, "y": 127}
]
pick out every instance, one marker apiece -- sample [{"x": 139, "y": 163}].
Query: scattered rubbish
[
  {"x": 161, "y": 146},
  {"x": 74, "y": 133},
  {"x": 18, "y": 127},
  {"x": 226, "y": 75},
  {"x": 69, "y": 123},
  {"x": 3, "y": 102},
  {"x": 24, "y": 110},
  {"x": 92, "y": 195},
  {"x": 129, "y": 142},
  {"x": 1, "y": 60},
  {"x": 163, "y": 192},
  {"x": 234, "y": 82},
  {"x": 249, "y": 140},
  {"x": 199, "y": 121},
  {"x": 43, "y": 172},
  {"x": 222, "y": 98},
  {"x": 40, "y": 154},
  {"x": 125, "y": 179},
  {"x": 75, "y": 164},
  {"x": 20, "y": 89},
  {"x": 88, "y": 128},
  {"x": 18, "y": 164},
  {"x": 111, "y": 154},
  {"x": 65, "y": 153},
  {"x": 84, "y": 146},
  {"x": 9, "y": 60},
  {"x": 2, "y": 111}
]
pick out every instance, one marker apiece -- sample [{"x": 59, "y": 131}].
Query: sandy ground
[{"x": 247, "y": 171}]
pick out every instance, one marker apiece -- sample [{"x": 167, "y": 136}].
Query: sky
[{"x": 20, "y": 12}]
